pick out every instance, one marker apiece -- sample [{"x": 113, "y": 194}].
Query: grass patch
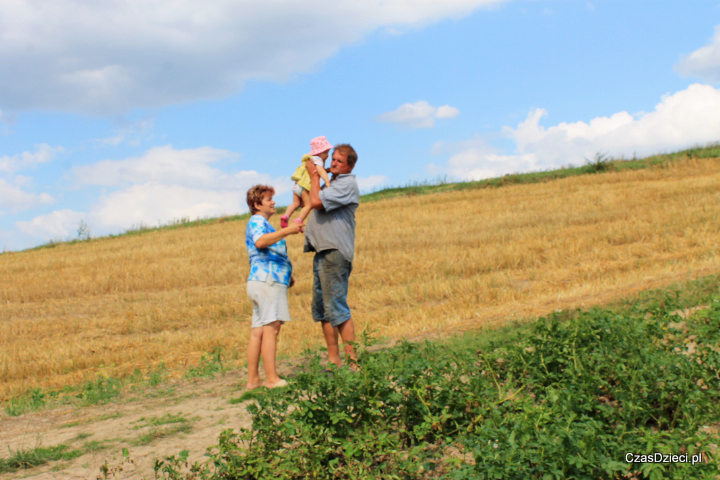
[
  {"x": 34, "y": 399},
  {"x": 210, "y": 365},
  {"x": 94, "y": 392},
  {"x": 143, "y": 228},
  {"x": 100, "y": 391},
  {"x": 678, "y": 296},
  {"x": 157, "y": 421},
  {"x": 94, "y": 446},
  {"x": 599, "y": 164},
  {"x": 156, "y": 433},
  {"x": 161, "y": 427},
  {"x": 29, "y": 458},
  {"x": 109, "y": 416},
  {"x": 24, "y": 459}
]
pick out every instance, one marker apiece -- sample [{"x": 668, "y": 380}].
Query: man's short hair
[
  {"x": 349, "y": 153},
  {"x": 256, "y": 195}
]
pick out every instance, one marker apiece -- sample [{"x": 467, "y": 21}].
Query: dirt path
[{"x": 152, "y": 424}]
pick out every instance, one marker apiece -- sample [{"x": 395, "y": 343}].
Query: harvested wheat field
[{"x": 425, "y": 265}]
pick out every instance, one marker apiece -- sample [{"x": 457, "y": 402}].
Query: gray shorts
[{"x": 270, "y": 302}]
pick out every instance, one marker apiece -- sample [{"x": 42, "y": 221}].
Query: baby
[{"x": 320, "y": 150}]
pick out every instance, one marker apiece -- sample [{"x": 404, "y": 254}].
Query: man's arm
[{"x": 315, "y": 201}]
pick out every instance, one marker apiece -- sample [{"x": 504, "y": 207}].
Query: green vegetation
[
  {"x": 24, "y": 459},
  {"x": 94, "y": 446},
  {"x": 152, "y": 428},
  {"x": 28, "y": 458},
  {"x": 153, "y": 378},
  {"x": 99, "y": 391},
  {"x": 157, "y": 421},
  {"x": 34, "y": 399},
  {"x": 567, "y": 396},
  {"x": 600, "y": 163},
  {"x": 210, "y": 365},
  {"x": 142, "y": 228},
  {"x": 158, "y": 429},
  {"x": 87, "y": 421}
]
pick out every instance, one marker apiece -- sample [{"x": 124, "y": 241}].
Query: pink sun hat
[{"x": 319, "y": 145}]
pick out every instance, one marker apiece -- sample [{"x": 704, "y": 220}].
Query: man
[{"x": 330, "y": 233}]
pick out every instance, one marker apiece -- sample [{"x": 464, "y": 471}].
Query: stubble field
[{"x": 425, "y": 265}]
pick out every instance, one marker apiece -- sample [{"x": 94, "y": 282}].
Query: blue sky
[{"x": 126, "y": 113}]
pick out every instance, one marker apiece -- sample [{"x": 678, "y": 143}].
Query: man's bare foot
[{"x": 280, "y": 383}]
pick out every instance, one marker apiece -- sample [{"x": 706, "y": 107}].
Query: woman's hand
[
  {"x": 274, "y": 237},
  {"x": 292, "y": 281},
  {"x": 294, "y": 228}
]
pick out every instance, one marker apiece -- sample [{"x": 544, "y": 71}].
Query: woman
[{"x": 268, "y": 283}]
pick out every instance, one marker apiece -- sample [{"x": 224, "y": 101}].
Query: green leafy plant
[
  {"x": 565, "y": 397},
  {"x": 34, "y": 399},
  {"x": 210, "y": 365}
]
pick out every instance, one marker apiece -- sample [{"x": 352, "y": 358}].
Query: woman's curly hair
[{"x": 256, "y": 195}]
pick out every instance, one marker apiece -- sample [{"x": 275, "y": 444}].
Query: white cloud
[
  {"x": 478, "y": 164},
  {"x": 446, "y": 111},
  {"x": 418, "y": 115},
  {"x": 704, "y": 62},
  {"x": 15, "y": 199},
  {"x": 190, "y": 167},
  {"x": 161, "y": 186},
  {"x": 152, "y": 203},
  {"x": 44, "y": 154},
  {"x": 157, "y": 188},
  {"x": 57, "y": 225},
  {"x": 132, "y": 133},
  {"x": 373, "y": 181},
  {"x": 686, "y": 118},
  {"x": 13, "y": 194},
  {"x": 149, "y": 204},
  {"x": 108, "y": 57}
]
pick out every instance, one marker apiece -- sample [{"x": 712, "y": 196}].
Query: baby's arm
[{"x": 323, "y": 174}]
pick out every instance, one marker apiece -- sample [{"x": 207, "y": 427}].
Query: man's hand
[
  {"x": 311, "y": 167},
  {"x": 292, "y": 281},
  {"x": 315, "y": 201}
]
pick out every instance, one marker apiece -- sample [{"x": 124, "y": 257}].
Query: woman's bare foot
[{"x": 253, "y": 386}]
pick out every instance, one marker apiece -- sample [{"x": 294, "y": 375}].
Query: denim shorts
[{"x": 331, "y": 271}]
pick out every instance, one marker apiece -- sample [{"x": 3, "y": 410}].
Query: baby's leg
[
  {"x": 306, "y": 205},
  {"x": 294, "y": 206}
]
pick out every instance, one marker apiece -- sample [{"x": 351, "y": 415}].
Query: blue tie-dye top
[{"x": 272, "y": 260}]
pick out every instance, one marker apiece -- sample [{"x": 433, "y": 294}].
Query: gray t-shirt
[{"x": 334, "y": 227}]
